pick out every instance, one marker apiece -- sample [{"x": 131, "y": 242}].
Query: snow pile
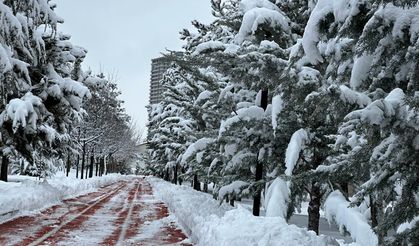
[
  {"x": 209, "y": 223},
  {"x": 338, "y": 210},
  {"x": 17, "y": 198},
  {"x": 276, "y": 199}
]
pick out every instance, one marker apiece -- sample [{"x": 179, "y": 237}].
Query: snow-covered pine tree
[
  {"x": 39, "y": 100},
  {"x": 378, "y": 144},
  {"x": 247, "y": 44},
  {"x": 315, "y": 96},
  {"x": 171, "y": 126}
]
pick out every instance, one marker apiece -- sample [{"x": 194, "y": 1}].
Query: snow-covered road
[{"x": 123, "y": 213}]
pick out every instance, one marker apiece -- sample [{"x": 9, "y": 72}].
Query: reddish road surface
[{"x": 125, "y": 213}]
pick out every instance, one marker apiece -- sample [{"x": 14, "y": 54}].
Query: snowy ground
[
  {"x": 209, "y": 223},
  {"x": 24, "y": 195},
  {"x": 300, "y": 219}
]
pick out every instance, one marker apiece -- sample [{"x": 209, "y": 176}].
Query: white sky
[{"x": 122, "y": 36}]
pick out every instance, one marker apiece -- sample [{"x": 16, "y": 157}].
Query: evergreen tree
[
  {"x": 383, "y": 70},
  {"x": 39, "y": 101}
]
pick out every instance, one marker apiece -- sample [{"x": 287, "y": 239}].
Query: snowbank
[
  {"x": 29, "y": 194},
  {"x": 208, "y": 223}
]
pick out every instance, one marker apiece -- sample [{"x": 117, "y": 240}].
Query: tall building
[{"x": 158, "y": 67}]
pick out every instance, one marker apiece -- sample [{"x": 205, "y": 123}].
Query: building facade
[{"x": 158, "y": 67}]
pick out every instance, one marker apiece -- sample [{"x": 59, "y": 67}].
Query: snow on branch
[
  {"x": 338, "y": 209},
  {"x": 277, "y": 106},
  {"x": 234, "y": 188},
  {"x": 21, "y": 111},
  {"x": 341, "y": 10},
  {"x": 239, "y": 158},
  {"x": 295, "y": 146},
  {"x": 360, "y": 70},
  {"x": 196, "y": 147},
  {"x": 245, "y": 115},
  {"x": 68, "y": 85},
  {"x": 210, "y": 45},
  {"x": 246, "y": 5},
  {"x": 350, "y": 96},
  {"x": 377, "y": 111},
  {"x": 255, "y": 17},
  {"x": 402, "y": 19},
  {"x": 5, "y": 59}
]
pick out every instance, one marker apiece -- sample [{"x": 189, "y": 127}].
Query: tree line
[
  {"x": 322, "y": 95},
  {"x": 53, "y": 114}
]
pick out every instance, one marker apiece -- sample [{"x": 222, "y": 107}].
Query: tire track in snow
[
  {"x": 124, "y": 217},
  {"x": 128, "y": 218}
]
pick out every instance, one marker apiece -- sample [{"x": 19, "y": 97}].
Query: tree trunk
[
  {"x": 77, "y": 166},
  {"x": 376, "y": 215},
  {"x": 167, "y": 175},
  {"x": 175, "y": 174},
  {"x": 232, "y": 202},
  {"x": 206, "y": 187},
  {"x": 259, "y": 165},
  {"x": 102, "y": 166},
  {"x": 97, "y": 168},
  {"x": 87, "y": 168},
  {"x": 257, "y": 197},
  {"x": 4, "y": 167},
  {"x": 83, "y": 160},
  {"x": 314, "y": 209},
  {"x": 68, "y": 165},
  {"x": 22, "y": 166},
  {"x": 92, "y": 162},
  {"x": 196, "y": 183}
]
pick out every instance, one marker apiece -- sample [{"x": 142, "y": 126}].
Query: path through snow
[{"x": 123, "y": 213}]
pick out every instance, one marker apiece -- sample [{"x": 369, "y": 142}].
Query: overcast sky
[{"x": 123, "y": 36}]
